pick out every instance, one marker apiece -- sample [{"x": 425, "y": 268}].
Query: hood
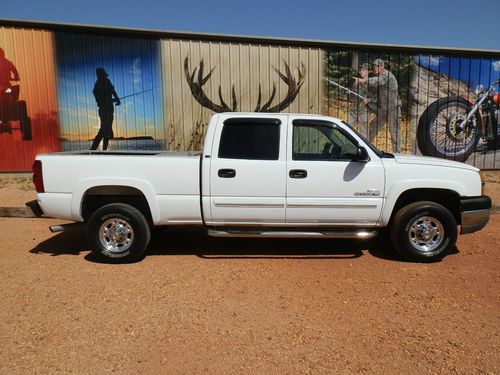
[{"x": 426, "y": 160}]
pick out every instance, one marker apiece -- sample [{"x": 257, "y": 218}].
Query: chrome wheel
[
  {"x": 445, "y": 134},
  {"x": 116, "y": 235},
  {"x": 426, "y": 233}
]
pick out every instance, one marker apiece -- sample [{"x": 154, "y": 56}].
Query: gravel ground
[{"x": 202, "y": 305}]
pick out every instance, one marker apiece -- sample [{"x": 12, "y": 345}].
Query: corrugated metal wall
[
  {"x": 31, "y": 52},
  {"x": 246, "y": 66},
  {"x": 161, "y": 110}
]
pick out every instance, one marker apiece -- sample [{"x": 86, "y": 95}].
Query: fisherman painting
[{"x": 105, "y": 97}]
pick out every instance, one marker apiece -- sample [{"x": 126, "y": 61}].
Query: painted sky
[
  {"x": 473, "y": 71},
  {"x": 133, "y": 66}
]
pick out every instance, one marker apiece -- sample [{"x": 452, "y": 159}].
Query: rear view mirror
[{"x": 362, "y": 155}]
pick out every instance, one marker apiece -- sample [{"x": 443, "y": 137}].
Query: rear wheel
[
  {"x": 118, "y": 232},
  {"x": 424, "y": 231}
]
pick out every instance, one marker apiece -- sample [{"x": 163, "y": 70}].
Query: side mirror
[{"x": 362, "y": 155}]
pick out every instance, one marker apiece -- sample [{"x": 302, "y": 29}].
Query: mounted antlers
[{"x": 196, "y": 87}]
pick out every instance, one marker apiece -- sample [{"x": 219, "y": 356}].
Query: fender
[
  {"x": 399, "y": 187},
  {"x": 143, "y": 186}
]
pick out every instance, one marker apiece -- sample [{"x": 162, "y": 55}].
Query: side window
[
  {"x": 257, "y": 139},
  {"x": 313, "y": 141}
]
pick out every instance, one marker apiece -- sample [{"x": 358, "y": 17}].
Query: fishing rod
[
  {"x": 346, "y": 89},
  {"x": 137, "y": 93}
]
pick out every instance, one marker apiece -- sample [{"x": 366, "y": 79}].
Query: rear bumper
[
  {"x": 475, "y": 213},
  {"x": 35, "y": 208}
]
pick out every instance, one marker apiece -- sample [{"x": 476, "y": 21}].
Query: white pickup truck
[{"x": 264, "y": 175}]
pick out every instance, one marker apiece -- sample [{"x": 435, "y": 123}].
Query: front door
[{"x": 324, "y": 185}]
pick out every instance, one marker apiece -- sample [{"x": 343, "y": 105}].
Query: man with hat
[
  {"x": 388, "y": 103},
  {"x": 361, "y": 108},
  {"x": 105, "y": 96}
]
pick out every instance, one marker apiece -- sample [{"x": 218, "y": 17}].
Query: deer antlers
[{"x": 196, "y": 87}]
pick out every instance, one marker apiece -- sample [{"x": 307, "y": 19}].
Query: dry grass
[{"x": 23, "y": 183}]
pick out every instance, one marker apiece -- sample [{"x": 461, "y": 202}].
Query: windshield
[{"x": 379, "y": 153}]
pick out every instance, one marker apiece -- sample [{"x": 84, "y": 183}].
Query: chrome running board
[{"x": 359, "y": 234}]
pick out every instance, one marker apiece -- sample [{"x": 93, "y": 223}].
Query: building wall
[
  {"x": 244, "y": 67},
  {"x": 166, "y": 103},
  {"x": 32, "y": 54}
]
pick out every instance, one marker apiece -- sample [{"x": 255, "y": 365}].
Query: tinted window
[
  {"x": 321, "y": 142},
  {"x": 250, "y": 139}
]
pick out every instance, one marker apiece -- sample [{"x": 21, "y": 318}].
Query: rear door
[{"x": 248, "y": 171}]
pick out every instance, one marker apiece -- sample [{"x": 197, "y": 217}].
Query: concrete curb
[{"x": 25, "y": 212}]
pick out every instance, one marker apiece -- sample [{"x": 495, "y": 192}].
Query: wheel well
[
  {"x": 447, "y": 198},
  {"x": 99, "y": 196}
]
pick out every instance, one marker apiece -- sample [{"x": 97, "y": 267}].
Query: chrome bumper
[{"x": 475, "y": 213}]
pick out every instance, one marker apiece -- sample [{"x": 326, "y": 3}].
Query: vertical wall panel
[
  {"x": 31, "y": 53},
  {"x": 246, "y": 66}
]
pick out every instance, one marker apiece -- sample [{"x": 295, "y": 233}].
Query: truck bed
[{"x": 170, "y": 182}]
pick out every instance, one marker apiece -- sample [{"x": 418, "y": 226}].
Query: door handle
[
  {"x": 226, "y": 173},
  {"x": 298, "y": 173}
]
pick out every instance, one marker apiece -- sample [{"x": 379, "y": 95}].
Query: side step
[{"x": 358, "y": 234}]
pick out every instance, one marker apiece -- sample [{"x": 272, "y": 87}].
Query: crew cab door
[
  {"x": 248, "y": 171},
  {"x": 324, "y": 185}
]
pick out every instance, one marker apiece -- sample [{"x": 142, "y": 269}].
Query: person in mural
[
  {"x": 361, "y": 108},
  {"x": 8, "y": 73},
  {"x": 388, "y": 105},
  {"x": 105, "y": 97}
]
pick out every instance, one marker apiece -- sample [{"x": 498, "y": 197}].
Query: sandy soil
[{"x": 202, "y": 305}]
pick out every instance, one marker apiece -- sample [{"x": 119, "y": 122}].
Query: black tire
[
  {"x": 423, "y": 231},
  {"x": 426, "y": 139},
  {"x": 118, "y": 232},
  {"x": 25, "y": 121}
]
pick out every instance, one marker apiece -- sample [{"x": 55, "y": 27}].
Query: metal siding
[
  {"x": 246, "y": 66},
  {"x": 32, "y": 53}
]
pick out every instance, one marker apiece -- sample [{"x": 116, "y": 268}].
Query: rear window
[{"x": 256, "y": 139}]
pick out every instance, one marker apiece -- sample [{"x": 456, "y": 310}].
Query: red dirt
[{"x": 202, "y": 305}]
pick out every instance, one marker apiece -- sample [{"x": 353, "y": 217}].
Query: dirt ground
[{"x": 203, "y": 305}]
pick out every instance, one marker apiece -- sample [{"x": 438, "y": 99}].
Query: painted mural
[
  {"x": 457, "y": 108},
  {"x": 91, "y": 90},
  {"x": 440, "y": 106},
  {"x": 28, "y": 103},
  {"x": 109, "y": 92}
]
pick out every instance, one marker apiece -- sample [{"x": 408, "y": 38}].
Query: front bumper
[{"x": 475, "y": 213}]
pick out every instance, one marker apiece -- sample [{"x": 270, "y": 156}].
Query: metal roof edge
[{"x": 156, "y": 33}]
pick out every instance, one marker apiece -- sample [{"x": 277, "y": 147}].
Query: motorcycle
[
  {"x": 13, "y": 109},
  {"x": 451, "y": 127}
]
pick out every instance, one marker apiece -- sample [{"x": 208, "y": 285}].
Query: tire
[
  {"x": 423, "y": 231},
  {"x": 25, "y": 121},
  {"x": 118, "y": 232},
  {"x": 427, "y": 141}
]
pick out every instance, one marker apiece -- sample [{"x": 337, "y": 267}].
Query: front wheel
[
  {"x": 424, "y": 231},
  {"x": 118, "y": 232},
  {"x": 438, "y": 133}
]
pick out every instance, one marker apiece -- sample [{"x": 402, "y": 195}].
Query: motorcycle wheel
[
  {"x": 437, "y": 133},
  {"x": 25, "y": 121}
]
